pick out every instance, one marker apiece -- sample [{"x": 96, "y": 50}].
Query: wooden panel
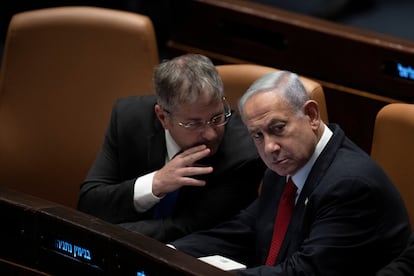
[
  {"x": 15, "y": 269},
  {"x": 355, "y": 111},
  {"x": 317, "y": 48},
  {"x": 40, "y": 236},
  {"x": 351, "y": 64}
]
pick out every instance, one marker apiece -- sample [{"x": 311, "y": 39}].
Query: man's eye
[
  {"x": 256, "y": 135},
  {"x": 218, "y": 119},
  {"x": 194, "y": 124},
  {"x": 277, "y": 129}
]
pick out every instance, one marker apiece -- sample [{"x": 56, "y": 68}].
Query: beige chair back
[
  {"x": 238, "y": 77},
  {"x": 393, "y": 148},
  {"x": 62, "y": 70}
]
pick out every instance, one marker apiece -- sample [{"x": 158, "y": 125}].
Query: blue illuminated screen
[
  {"x": 399, "y": 70},
  {"x": 81, "y": 253},
  {"x": 73, "y": 250},
  {"x": 405, "y": 71}
]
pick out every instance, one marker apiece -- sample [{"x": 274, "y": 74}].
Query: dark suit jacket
[
  {"x": 134, "y": 145},
  {"x": 403, "y": 265},
  {"x": 349, "y": 220}
]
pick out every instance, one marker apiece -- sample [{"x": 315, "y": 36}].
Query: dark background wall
[{"x": 394, "y": 18}]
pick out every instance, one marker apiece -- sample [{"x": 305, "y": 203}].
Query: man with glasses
[{"x": 174, "y": 162}]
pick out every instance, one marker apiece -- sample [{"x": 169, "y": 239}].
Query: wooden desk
[{"x": 44, "y": 238}]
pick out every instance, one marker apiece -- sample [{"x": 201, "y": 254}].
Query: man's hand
[{"x": 177, "y": 172}]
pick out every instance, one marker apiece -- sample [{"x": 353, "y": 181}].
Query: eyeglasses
[{"x": 216, "y": 121}]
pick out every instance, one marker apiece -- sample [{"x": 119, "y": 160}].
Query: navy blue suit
[
  {"x": 135, "y": 145},
  {"x": 349, "y": 220}
]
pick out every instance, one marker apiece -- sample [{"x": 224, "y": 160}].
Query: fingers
[
  {"x": 186, "y": 162},
  {"x": 182, "y": 170},
  {"x": 194, "y": 171},
  {"x": 189, "y": 181},
  {"x": 192, "y": 155},
  {"x": 189, "y": 176},
  {"x": 169, "y": 179}
]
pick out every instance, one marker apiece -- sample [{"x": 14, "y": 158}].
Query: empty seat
[
  {"x": 393, "y": 148},
  {"x": 62, "y": 70}
]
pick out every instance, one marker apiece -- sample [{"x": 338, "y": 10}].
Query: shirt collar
[
  {"x": 300, "y": 177},
  {"x": 172, "y": 147}
]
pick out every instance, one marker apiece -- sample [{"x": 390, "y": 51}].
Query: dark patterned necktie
[
  {"x": 166, "y": 205},
  {"x": 284, "y": 213}
]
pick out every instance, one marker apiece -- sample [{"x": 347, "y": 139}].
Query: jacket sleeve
[{"x": 202, "y": 208}]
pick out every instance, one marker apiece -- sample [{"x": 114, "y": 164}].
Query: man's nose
[
  {"x": 271, "y": 144},
  {"x": 209, "y": 132}
]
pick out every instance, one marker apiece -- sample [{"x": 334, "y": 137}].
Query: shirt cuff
[{"x": 144, "y": 199}]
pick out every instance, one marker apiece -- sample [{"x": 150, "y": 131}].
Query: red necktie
[{"x": 284, "y": 213}]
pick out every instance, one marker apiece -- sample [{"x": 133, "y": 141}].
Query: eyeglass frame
[{"x": 197, "y": 125}]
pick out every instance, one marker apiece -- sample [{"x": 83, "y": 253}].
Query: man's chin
[{"x": 280, "y": 170}]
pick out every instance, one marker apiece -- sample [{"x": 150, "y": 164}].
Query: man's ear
[
  {"x": 161, "y": 115},
  {"x": 311, "y": 109}
]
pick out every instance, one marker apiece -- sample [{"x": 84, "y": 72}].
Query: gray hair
[
  {"x": 184, "y": 79},
  {"x": 285, "y": 84}
]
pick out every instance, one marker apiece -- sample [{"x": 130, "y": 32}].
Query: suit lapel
[
  {"x": 157, "y": 148},
  {"x": 298, "y": 224},
  {"x": 322, "y": 163}
]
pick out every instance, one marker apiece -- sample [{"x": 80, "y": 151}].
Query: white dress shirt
[
  {"x": 144, "y": 199},
  {"x": 300, "y": 177}
]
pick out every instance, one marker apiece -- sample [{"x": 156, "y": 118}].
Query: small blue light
[
  {"x": 141, "y": 273},
  {"x": 405, "y": 71}
]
